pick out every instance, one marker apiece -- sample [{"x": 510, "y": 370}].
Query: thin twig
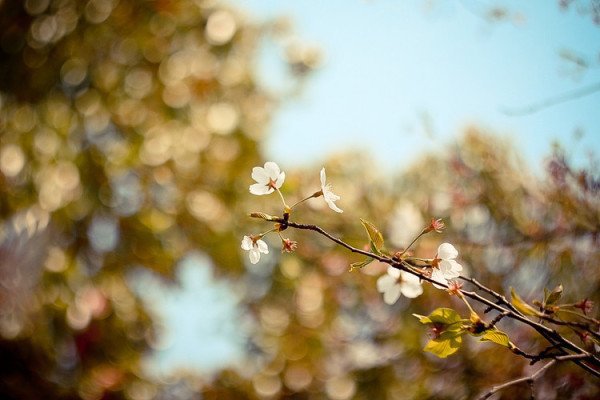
[
  {"x": 531, "y": 379},
  {"x": 573, "y": 324},
  {"x": 501, "y": 299},
  {"x": 498, "y": 318},
  {"x": 552, "y": 101}
]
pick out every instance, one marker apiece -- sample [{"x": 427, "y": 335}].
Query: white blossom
[
  {"x": 254, "y": 247},
  {"x": 444, "y": 265},
  {"x": 396, "y": 282},
  {"x": 328, "y": 195},
  {"x": 268, "y": 179}
]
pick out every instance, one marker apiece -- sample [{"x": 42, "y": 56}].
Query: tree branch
[{"x": 507, "y": 309}]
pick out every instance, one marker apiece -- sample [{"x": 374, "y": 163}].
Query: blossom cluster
[
  {"x": 269, "y": 179},
  {"x": 395, "y": 282}
]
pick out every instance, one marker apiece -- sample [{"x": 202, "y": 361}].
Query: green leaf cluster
[
  {"x": 448, "y": 327},
  {"x": 448, "y": 330}
]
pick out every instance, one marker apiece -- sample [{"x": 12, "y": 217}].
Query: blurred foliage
[
  {"x": 128, "y": 132},
  {"x": 124, "y": 126}
]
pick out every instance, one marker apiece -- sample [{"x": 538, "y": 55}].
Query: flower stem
[
  {"x": 463, "y": 298},
  {"x": 261, "y": 235},
  {"x": 316, "y": 194},
  {"x": 413, "y": 242},
  {"x": 285, "y": 206}
]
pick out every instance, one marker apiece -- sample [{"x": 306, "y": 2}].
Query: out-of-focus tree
[{"x": 124, "y": 125}]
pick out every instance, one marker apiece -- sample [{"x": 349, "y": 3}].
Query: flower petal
[
  {"x": 254, "y": 256},
  {"x": 392, "y": 294},
  {"x": 450, "y": 269},
  {"x": 438, "y": 276},
  {"x": 411, "y": 289},
  {"x": 447, "y": 252},
  {"x": 455, "y": 267},
  {"x": 259, "y": 189},
  {"x": 323, "y": 178},
  {"x": 279, "y": 180},
  {"x": 247, "y": 243},
  {"x": 272, "y": 170},
  {"x": 332, "y": 205},
  {"x": 410, "y": 278},
  {"x": 411, "y": 285},
  {"x": 329, "y": 195},
  {"x": 262, "y": 246},
  {"x": 260, "y": 175},
  {"x": 394, "y": 272},
  {"x": 385, "y": 282}
]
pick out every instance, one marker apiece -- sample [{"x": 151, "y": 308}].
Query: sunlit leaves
[
  {"x": 446, "y": 329},
  {"x": 440, "y": 316},
  {"x": 445, "y": 345}
]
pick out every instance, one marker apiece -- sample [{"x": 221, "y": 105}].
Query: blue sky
[
  {"x": 199, "y": 320},
  {"x": 390, "y": 63}
]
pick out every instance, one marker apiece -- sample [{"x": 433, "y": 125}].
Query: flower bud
[
  {"x": 454, "y": 288},
  {"x": 585, "y": 306},
  {"x": 288, "y": 245},
  {"x": 436, "y": 225}
]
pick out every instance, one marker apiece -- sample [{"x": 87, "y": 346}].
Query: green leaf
[
  {"x": 554, "y": 296},
  {"x": 522, "y": 306},
  {"x": 422, "y": 319},
  {"x": 496, "y": 336},
  {"x": 445, "y": 316},
  {"x": 375, "y": 236},
  {"x": 374, "y": 249},
  {"x": 447, "y": 344},
  {"x": 360, "y": 264}
]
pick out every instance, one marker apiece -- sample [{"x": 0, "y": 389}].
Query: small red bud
[{"x": 585, "y": 306}]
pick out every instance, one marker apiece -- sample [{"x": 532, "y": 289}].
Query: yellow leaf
[
  {"x": 447, "y": 344},
  {"x": 359, "y": 264},
  {"x": 496, "y": 336},
  {"x": 554, "y": 296},
  {"x": 522, "y": 306},
  {"x": 375, "y": 235}
]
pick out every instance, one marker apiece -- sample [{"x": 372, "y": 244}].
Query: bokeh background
[{"x": 128, "y": 130}]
